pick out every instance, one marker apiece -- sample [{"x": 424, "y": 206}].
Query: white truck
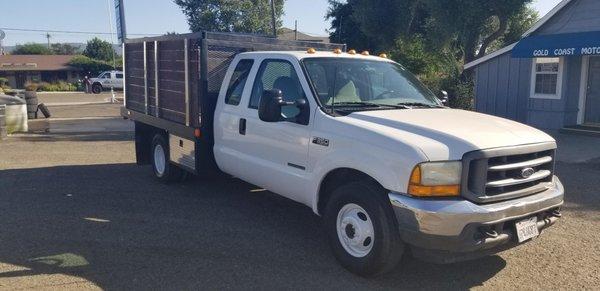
[
  {"x": 107, "y": 80},
  {"x": 355, "y": 137}
]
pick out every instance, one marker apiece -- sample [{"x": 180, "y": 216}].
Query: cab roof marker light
[
  {"x": 383, "y": 55},
  {"x": 352, "y": 52},
  {"x": 337, "y": 51},
  {"x": 365, "y": 53},
  {"x": 311, "y": 50}
]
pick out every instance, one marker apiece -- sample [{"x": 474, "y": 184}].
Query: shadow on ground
[
  {"x": 77, "y": 136},
  {"x": 117, "y": 227}
]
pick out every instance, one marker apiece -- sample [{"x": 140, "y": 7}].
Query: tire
[
  {"x": 97, "y": 89},
  {"x": 161, "y": 166},
  {"x": 32, "y": 101},
  {"x": 362, "y": 229},
  {"x": 44, "y": 109}
]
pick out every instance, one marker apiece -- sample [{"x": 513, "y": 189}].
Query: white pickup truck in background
[
  {"x": 107, "y": 80},
  {"x": 359, "y": 140}
]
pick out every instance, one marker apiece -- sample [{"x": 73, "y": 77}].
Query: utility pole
[
  {"x": 273, "y": 22},
  {"x": 48, "y": 37},
  {"x": 296, "y": 30}
]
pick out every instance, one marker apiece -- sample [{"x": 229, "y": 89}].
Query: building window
[{"x": 546, "y": 79}]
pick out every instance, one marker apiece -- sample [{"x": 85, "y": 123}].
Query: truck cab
[
  {"x": 107, "y": 80},
  {"x": 364, "y": 144}
]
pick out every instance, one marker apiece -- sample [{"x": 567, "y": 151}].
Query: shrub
[
  {"x": 90, "y": 65},
  {"x": 3, "y": 82},
  {"x": 57, "y": 86}
]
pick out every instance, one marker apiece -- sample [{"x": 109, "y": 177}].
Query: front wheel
[
  {"x": 362, "y": 229},
  {"x": 97, "y": 89}
]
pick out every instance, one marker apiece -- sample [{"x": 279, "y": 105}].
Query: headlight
[{"x": 436, "y": 179}]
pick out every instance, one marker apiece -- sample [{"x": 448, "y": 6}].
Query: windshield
[{"x": 346, "y": 82}]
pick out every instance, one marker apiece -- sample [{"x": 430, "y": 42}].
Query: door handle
[{"x": 242, "y": 126}]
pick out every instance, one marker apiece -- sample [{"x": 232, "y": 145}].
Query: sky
[{"x": 143, "y": 17}]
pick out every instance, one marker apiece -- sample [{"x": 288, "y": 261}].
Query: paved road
[{"x": 76, "y": 212}]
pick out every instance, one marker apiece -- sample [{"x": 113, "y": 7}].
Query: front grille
[{"x": 507, "y": 173}]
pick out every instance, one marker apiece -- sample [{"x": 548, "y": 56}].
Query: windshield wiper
[
  {"x": 420, "y": 104},
  {"x": 368, "y": 104}
]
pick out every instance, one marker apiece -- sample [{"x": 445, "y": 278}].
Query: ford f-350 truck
[{"x": 355, "y": 137}]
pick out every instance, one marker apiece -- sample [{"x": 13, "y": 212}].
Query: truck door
[{"x": 274, "y": 155}]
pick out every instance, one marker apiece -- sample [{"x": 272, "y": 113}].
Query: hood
[{"x": 447, "y": 134}]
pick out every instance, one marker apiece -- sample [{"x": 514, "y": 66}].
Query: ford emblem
[{"x": 527, "y": 172}]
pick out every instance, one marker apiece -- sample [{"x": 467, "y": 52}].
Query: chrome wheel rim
[
  {"x": 159, "y": 159},
  {"x": 355, "y": 230}
]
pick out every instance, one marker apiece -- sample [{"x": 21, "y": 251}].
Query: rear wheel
[
  {"x": 362, "y": 229},
  {"x": 163, "y": 169}
]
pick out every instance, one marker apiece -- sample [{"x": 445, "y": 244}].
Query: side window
[
  {"x": 238, "y": 82},
  {"x": 119, "y": 76},
  {"x": 277, "y": 74}
]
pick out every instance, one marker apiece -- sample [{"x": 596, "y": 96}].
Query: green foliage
[
  {"x": 31, "y": 49},
  {"x": 64, "y": 49},
  {"x": 92, "y": 66},
  {"x": 231, "y": 16},
  {"x": 432, "y": 38},
  {"x": 3, "y": 82},
  {"x": 99, "y": 49},
  {"x": 59, "y": 86}
]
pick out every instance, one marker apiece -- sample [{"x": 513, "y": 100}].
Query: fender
[{"x": 389, "y": 169}]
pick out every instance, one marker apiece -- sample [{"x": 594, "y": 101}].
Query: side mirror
[
  {"x": 269, "y": 108},
  {"x": 444, "y": 98}
]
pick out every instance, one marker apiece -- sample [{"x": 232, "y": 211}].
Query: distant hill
[{"x": 79, "y": 45}]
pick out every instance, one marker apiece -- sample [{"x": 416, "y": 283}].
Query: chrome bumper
[{"x": 458, "y": 225}]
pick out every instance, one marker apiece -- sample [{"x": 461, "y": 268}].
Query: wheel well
[
  {"x": 335, "y": 179},
  {"x": 143, "y": 140},
  {"x": 97, "y": 84}
]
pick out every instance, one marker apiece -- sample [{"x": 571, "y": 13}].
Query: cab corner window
[{"x": 238, "y": 82}]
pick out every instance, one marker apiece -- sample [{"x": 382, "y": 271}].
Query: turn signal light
[
  {"x": 352, "y": 52},
  {"x": 415, "y": 187},
  {"x": 311, "y": 50},
  {"x": 197, "y": 133}
]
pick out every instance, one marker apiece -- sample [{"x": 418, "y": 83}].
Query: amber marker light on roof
[
  {"x": 383, "y": 56},
  {"x": 352, "y": 52},
  {"x": 337, "y": 51},
  {"x": 365, "y": 53},
  {"x": 311, "y": 50}
]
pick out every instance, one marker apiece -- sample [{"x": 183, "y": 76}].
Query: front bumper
[{"x": 456, "y": 229}]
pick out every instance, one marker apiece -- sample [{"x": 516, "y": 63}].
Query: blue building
[{"x": 550, "y": 79}]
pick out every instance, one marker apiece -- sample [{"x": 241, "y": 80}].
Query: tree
[
  {"x": 253, "y": 16},
  {"x": 99, "y": 49},
  {"x": 32, "y": 49},
  {"x": 88, "y": 65},
  {"x": 471, "y": 26},
  {"x": 64, "y": 49}
]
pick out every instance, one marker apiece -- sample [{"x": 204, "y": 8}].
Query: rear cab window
[{"x": 237, "y": 83}]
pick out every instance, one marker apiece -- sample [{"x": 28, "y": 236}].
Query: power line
[{"x": 73, "y": 31}]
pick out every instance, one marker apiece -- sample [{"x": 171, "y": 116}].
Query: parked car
[
  {"x": 357, "y": 138},
  {"x": 107, "y": 80}
]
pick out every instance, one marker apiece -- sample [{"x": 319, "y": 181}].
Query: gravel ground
[
  {"x": 77, "y": 213},
  {"x": 75, "y": 97}
]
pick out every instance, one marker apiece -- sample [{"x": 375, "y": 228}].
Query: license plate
[{"x": 527, "y": 229}]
